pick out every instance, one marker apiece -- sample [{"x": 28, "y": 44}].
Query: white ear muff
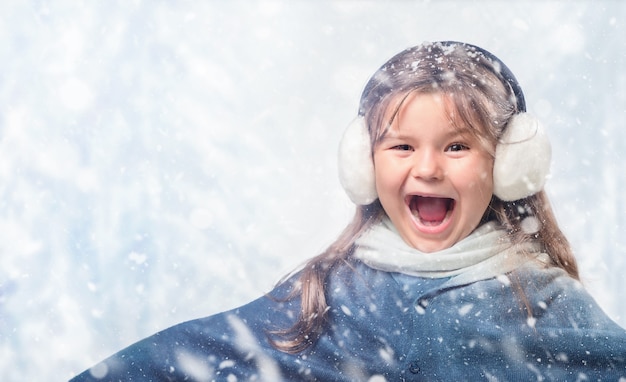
[
  {"x": 356, "y": 167},
  {"x": 522, "y": 159}
]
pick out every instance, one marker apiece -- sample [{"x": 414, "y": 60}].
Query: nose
[{"x": 427, "y": 166}]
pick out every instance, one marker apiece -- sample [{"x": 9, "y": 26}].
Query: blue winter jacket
[{"x": 386, "y": 326}]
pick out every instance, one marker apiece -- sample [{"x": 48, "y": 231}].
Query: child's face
[{"x": 434, "y": 181}]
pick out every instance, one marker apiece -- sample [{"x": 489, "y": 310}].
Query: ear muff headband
[
  {"x": 501, "y": 68},
  {"x": 522, "y": 157}
]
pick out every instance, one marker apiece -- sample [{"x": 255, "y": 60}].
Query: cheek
[
  {"x": 484, "y": 179},
  {"x": 480, "y": 184},
  {"x": 384, "y": 181},
  {"x": 484, "y": 174},
  {"x": 383, "y": 171},
  {"x": 485, "y": 189},
  {"x": 389, "y": 181}
]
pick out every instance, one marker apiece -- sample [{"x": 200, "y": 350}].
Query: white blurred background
[{"x": 166, "y": 160}]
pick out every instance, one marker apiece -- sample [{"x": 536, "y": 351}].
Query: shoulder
[
  {"x": 549, "y": 284},
  {"x": 560, "y": 300}
]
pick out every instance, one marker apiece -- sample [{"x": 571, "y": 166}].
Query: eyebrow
[{"x": 454, "y": 132}]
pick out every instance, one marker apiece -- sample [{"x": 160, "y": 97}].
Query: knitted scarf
[{"x": 485, "y": 253}]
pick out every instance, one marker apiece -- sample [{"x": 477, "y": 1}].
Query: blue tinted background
[{"x": 162, "y": 160}]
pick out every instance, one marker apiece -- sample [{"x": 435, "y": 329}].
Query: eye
[
  {"x": 402, "y": 147},
  {"x": 457, "y": 147}
]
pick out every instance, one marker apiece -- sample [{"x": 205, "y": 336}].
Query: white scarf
[{"x": 485, "y": 253}]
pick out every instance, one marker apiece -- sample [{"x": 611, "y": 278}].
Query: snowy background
[{"x": 162, "y": 161}]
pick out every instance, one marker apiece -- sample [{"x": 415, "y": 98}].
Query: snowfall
[{"x": 162, "y": 161}]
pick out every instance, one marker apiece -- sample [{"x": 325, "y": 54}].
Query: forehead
[
  {"x": 461, "y": 119},
  {"x": 438, "y": 104}
]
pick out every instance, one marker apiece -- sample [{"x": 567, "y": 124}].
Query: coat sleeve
[
  {"x": 536, "y": 324},
  {"x": 228, "y": 346},
  {"x": 569, "y": 331}
]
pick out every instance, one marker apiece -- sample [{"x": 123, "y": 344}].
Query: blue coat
[{"x": 392, "y": 327}]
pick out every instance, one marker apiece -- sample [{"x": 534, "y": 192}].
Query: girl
[{"x": 453, "y": 268}]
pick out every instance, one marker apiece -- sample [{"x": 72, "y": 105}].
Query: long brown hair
[{"x": 483, "y": 95}]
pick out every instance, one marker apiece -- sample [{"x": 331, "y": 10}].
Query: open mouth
[{"x": 430, "y": 211}]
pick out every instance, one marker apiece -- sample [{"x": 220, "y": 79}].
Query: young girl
[{"x": 453, "y": 268}]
